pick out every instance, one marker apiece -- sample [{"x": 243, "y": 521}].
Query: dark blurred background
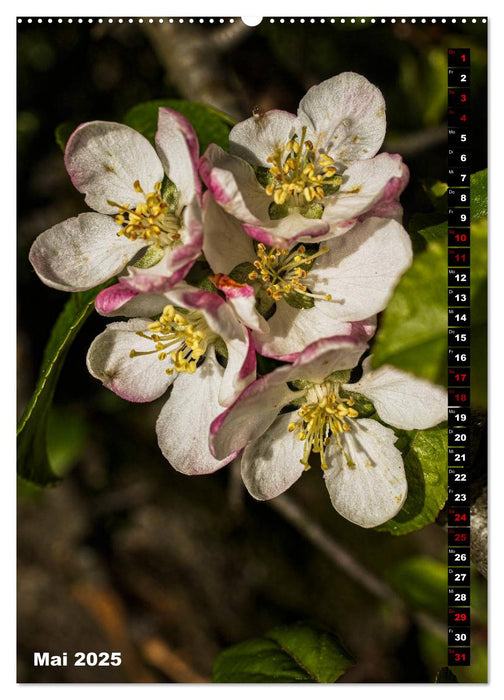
[{"x": 126, "y": 554}]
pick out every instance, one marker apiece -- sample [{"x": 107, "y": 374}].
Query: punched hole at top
[{"x": 251, "y": 21}]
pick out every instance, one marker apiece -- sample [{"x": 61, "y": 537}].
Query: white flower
[
  {"x": 147, "y": 206},
  {"x": 310, "y": 292},
  {"x": 140, "y": 359},
  {"x": 309, "y": 406},
  {"x": 295, "y": 178}
]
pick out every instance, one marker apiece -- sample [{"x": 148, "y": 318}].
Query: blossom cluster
[{"x": 300, "y": 227}]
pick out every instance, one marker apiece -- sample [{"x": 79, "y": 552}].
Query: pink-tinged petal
[
  {"x": 346, "y": 117},
  {"x": 286, "y": 232},
  {"x": 225, "y": 243},
  {"x": 217, "y": 313},
  {"x": 134, "y": 295},
  {"x": 271, "y": 464},
  {"x": 241, "y": 298},
  {"x": 105, "y": 159},
  {"x": 259, "y": 404},
  {"x": 323, "y": 357},
  {"x": 257, "y": 138},
  {"x": 401, "y": 399},
  {"x": 252, "y": 413},
  {"x": 138, "y": 379},
  {"x": 364, "y": 184},
  {"x": 183, "y": 425},
  {"x": 240, "y": 369},
  {"x": 178, "y": 148},
  {"x": 361, "y": 269},
  {"x": 234, "y": 185},
  {"x": 388, "y": 206},
  {"x": 291, "y": 330},
  {"x": 81, "y": 252},
  {"x": 375, "y": 488}
]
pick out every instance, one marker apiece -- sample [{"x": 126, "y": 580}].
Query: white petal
[
  {"x": 104, "y": 159},
  {"x": 234, "y": 185},
  {"x": 401, "y": 399},
  {"x": 252, "y": 413},
  {"x": 225, "y": 243},
  {"x": 271, "y": 464},
  {"x": 364, "y": 184},
  {"x": 322, "y": 358},
  {"x": 257, "y": 138},
  {"x": 240, "y": 369},
  {"x": 183, "y": 425},
  {"x": 374, "y": 490},
  {"x": 346, "y": 115},
  {"x": 81, "y": 252},
  {"x": 361, "y": 269},
  {"x": 291, "y": 330},
  {"x": 137, "y": 379},
  {"x": 286, "y": 232},
  {"x": 178, "y": 148}
]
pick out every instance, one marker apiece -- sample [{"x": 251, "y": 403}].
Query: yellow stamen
[
  {"x": 182, "y": 337},
  {"x": 300, "y": 173},
  {"x": 322, "y": 420},
  {"x": 150, "y": 220}
]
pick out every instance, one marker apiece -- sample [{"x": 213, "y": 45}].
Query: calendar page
[{"x": 252, "y": 346}]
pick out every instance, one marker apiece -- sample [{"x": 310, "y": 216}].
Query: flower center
[
  {"x": 281, "y": 271},
  {"x": 300, "y": 175},
  {"x": 150, "y": 220},
  {"x": 183, "y": 338},
  {"x": 323, "y": 419}
]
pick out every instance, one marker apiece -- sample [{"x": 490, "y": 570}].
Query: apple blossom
[
  {"x": 311, "y": 291},
  {"x": 146, "y": 202},
  {"x": 310, "y": 407},
  {"x": 293, "y": 178},
  {"x": 140, "y": 359}
]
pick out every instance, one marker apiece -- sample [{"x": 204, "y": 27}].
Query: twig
[
  {"x": 479, "y": 533},
  {"x": 159, "y": 655},
  {"x": 338, "y": 555},
  {"x": 409, "y": 145},
  {"x": 292, "y": 512},
  {"x": 191, "y": 58}
]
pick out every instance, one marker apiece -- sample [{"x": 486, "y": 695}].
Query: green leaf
[
  {"x": 479, "y": 339},
  {"x": 444, "y": 675},
  {"x": 479, "y": 195},
  {"x": 414, "y": 329},
  {"x": 63, "y": 132},
  {"x": 422, "y": 582},
  {"x": 299, "y": 653},
  {"x": 413, "y": 334},
  {"x": 425, "y": 462},
  {"x": 33, "y": 462},
  {"x": 210, "y": 125}
]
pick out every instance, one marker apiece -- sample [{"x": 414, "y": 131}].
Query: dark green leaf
[
  {"x": 63, "y": 132},
  {"x": 444, "y": 675},
  {"x": 421, "y": 581},
  {"x": 210, "y": 125},
  {"x": 299, "y": 653},
  {"x": 33, "y": 463},
  {"x": 425, "y": 462},
  {"x": 479, "y": 195},
  {"x": 413, "y": 334}
]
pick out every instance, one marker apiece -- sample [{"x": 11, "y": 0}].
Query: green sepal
[
  {"x": 299, "y": 301},
  {"x": 151, "y": 257},
  {"x": 313, "y": 210},
  {"x": 170, "y": 194},
  {"x": 263, "y": 175},
  {"x": 240, "y": 273}
]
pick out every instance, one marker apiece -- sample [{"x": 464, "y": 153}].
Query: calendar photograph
[{"x": 252, "y": 350}]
